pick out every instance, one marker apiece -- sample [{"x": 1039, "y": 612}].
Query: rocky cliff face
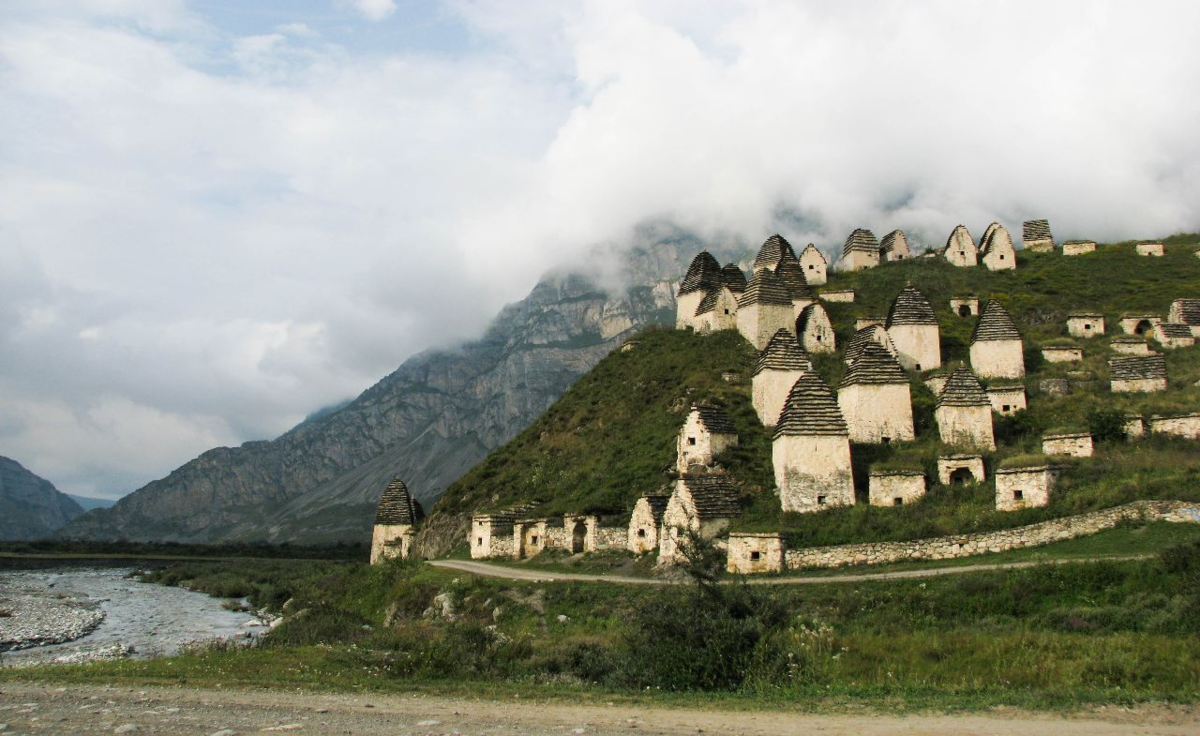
[
  {"x": 429, "y": 421},
  {"x": 30, "y": 507}
]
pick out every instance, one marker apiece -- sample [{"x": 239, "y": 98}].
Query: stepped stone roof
[
  {"x": 811, "y": 409},
  {"x": 959, "y": 233},
  {"x": 994, "y": 234},
  {"x": 814, "y": 249},
  {"x": 1037, "y": 230},
  {"x": 397, "y": 506},
  {"x": 733, "y": 277},
  {"x": 702, "y": 275},
  {"x": 708, "y": 303},
  {"x": 862, "y": 240},
  {"x": 715, "y": 496},
  {"x": 895, "y": 240},
  {"x": 1189, "y": 310},
  {"x": 765, "y": 288},
  {"x": 859, "y": 341},
  {"x": 793, "y": 278},
  {"x": 714, "y": 418},
  {"x": 874, "y": 366},
  {"x": 783, "y": 353},
  {"x": 963, "y": 389},
  {"x": 911, "y": 308},
  {"x": 1137, "y": 367},
  {"x": 773, "y": 250},
  {"x": 994, "y": 324},
  {"x": 808, "y": 314},
  {"x": 657, "y": 503},
  {"x": 1175, "y": 330}
]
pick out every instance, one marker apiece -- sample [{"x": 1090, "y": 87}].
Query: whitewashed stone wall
[
  {"x": 723, "y": 315},
  {"x": 1071, "y": 445},
  {"x": 770, "y": 391},
  {"x": 642, "y": 535},
  {"x": 818, "y": 336},
  {"x": 1045, "y": 245},
  {"x": 685, "y": 309},
  {"x": 1150, "y": 249},
  {"x": 1007, "y": 400},
  {"x": 1140, "y": 385},
  {"x": 948, "y": 464},
  {"x": 1062, "y": 355},
  {"x": 490, "y": 538},
  {"x": 1186, "y": 425},
  {"x": 1129, "y": 323},
  {"x": 968, "y": 304},
  {"x": 961, "y": 250},
  {"x": 750, "y": 553},
  {"x": 858, "y": 260},
  {"x": 1135, "y": 426},
  {"x": 1131, "y": 348},
  {"x": 918, "y": 347},
  {"x": 1090, "y": 326},
  {"x": 966, "y": 426},
  {"x": 844, "y": 295},
  {"x": 758, "y": 323},
  {"x": 1003, "y": 255},
  {"x": 697, "y": 446},
  {"x": 812, "y": 472},
  {"x": 998, "y": 359},
  {"x": 896, "y": 487},
  {"x": 862, "y": 322},
  {"x": 967, "y": 545},
  {"x": 814, "y": 266},
  {"x": 391, "y": 541},
  {"x": 873, "y": 412},
  {"x": 1078, "y": 249},
  {"x": 679, "y": 516},
  {"x": 1019, "y": 488}
]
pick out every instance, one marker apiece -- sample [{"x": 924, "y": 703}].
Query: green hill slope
[{"x": 611, "y": 437}]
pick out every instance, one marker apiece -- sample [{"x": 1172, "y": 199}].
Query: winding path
[{"x": 493, "y": 570}]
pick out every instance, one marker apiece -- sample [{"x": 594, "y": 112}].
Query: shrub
[{"x": 1106, "y": 425}]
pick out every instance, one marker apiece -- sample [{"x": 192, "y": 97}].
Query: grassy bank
[{"x": 1061, "y": 636}]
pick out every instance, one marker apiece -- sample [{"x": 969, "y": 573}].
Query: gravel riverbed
[{"x": 70, "y": 615}]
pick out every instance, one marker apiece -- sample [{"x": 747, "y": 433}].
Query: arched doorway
[
  {"x": 1143, "y": 327},
  {"x": 964, "y": 310},
  {"x": 961, "y": 477},
  {"x": 578, "y": 537}
]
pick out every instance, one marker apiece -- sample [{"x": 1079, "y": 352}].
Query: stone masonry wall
[
  {"x": 1187, "y": 426},
  {"x": 966, "y": 545}
]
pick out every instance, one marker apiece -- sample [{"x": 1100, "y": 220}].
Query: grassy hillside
[{"x": 611, "y": 437}]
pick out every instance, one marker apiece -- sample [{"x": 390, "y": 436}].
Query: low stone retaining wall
[{"x": 967, "y": 545}]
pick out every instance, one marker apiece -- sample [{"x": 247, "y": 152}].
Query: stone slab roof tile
[
  {"x": 994, "y": 324},
  {"x": 1189, "y": 310},
  {"x": 765, "y": 288},
  {"x": 911, "y": 308},
  {"x": 702, "y": 275},
  {"x": 397, "y": 506},
  {"x": 894, "y": 241},
  {"x": 811, "y": 409},
  {"x": 733, "y": 277},
  {"x": 783, "y": 353},
  {"x": 874, "y": 365},
  {"x": 774, "y": 249},
  {"x": 1137, "y": 367},
  {"x": 714, "y": 418},
  {"x": 1037, "y": 230},
  {"x": 862, "y": 240},
  {"x": 715, "y": 496},
  {"x": 1175, "y": 330},
  {"x": 963, "y": 389},
  {"x": 793, "y": 279}
]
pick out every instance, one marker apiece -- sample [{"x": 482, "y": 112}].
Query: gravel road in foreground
[{"x": 49, "y": 709}]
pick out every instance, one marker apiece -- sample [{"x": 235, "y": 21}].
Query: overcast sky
[{"x": 217, "y": 216}]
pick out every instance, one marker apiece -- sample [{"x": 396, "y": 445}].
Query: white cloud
[{"x": 374, "y": 10}]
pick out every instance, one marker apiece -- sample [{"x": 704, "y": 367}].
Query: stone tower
[
  {"x": 913, "y": 329},
  {"x": 811, "y": 449},
  {"x": 773, "y": 250},
  {"x": 964, "y": 412},
  {"x": 1037, "y": 237},
  {"x": 996, "y": 249},
  {"x": 706, "y": 433},
  {"x": 996, "y": 350},
  {"x": 396, "y": 519},
  {"x": 875, "y": 399},
  {"x": 815, "y": 266},
  {"x": 960, "y": 248},
  {"x": 860, "y": 251},
  {"x": 894, "y": 247},
  {"x": 716, "y": 311},
  {"x": 776, "y": 371},
  {"x": 702, "y": 276},
  {"x": 859, "y": 340},
  {"x": 815, "y": 330},
  {"x": 764, "y": 308}
]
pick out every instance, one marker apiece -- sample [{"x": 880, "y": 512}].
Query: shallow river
[{"x": 111, "y": 614}]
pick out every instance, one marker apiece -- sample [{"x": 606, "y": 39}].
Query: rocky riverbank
[{"x": 72, "y": 615}]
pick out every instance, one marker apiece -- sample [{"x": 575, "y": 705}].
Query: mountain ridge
[{"x": 30, "y": 506}]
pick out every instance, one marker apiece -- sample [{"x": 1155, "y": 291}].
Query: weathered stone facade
[
  {"x": 842, "y": 296},
  {"x": 860, "y": 251},
  {"x": 1071, "y": 444},
  {"x": 969, "y": 545},
  {"x": 1037, "y": 237},
  {"x": 996, "y": 250},
  {"x": 1135, "y": 426},
  {"x": 750, "y": 553},
  {"x": 1172, "y": 335},
  {"x": 811, "y": 449},
  {"x": 1187, "y": 312},
  {"x": 716, "y": 311},
  {"x": 960, "y": 248},
  {"x": 1130, "y": 345},
  {"x": 1007, "y": 399},
  {"x": 391, "y": 541},
  {"x": 1085, "y": 325},
  {"x": 814, "y": 265},
  {"x": 961, "y": 469},
  {"x": 1018, "y": 488},
  {"x": 396, "y": 518},
  {"x": 895, "y": 487},
  {"x": 996, "y": 349},
  {"x": 894, "y": 247},
  {"x": 965, "y": 306},
  {"x": 1149, "y": 249},
  {"x": 964, "y": 412},
  {"x": 776, "y": 371},
  {"x": 815, "y": 330},
  {"x": 706, "y": 432},
  {"x": 1078, "y": 247},
  {"x": 862, "y": 323},
  {"x": 1139, "y": 324},
  {"x": 1138, "y": 374},
  {"x": 764, "y": 309},
  {"x": 492, "y": 535},
  {"x": 705, "y": 505},
  {"x": 703, "y": 275},
  {"x": 1062, "y": 354},
  {"x": 875, "y": 400},
  {"x": 646, "y": 522},
  {"x": 913, "y": 329},
  {"x": 1179, "y": 425}
]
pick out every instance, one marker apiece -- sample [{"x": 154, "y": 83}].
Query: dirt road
[
  {"x": 512, "y": 573},
  {"x": 49, "y": 709}
]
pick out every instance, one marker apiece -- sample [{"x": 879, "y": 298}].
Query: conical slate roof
[
  {"x": 861, "y": 240},
  {"x": 994, "y": 325},
  {"x": 793, "y": 278},
  {"x": 715, "y": 496},
  {"x": 783, "y": 353},
  {"x": 765, "y": 288},
  {"x": 911, "y": 308},
  {"x": 859, "y": 341},
  {"x": 1137, "y": 367},
  {"x": 702, "y": 275},
  {"x": 772, "y": 251},
  {"x": 1037, "y": 230},
  {"x": 894, "y": 241},
  {"x": 397, "y": 506},
  {"x": 733, "y": 277},
  {"x": 963, "y": 389},
  {"x": 874, "y": 366},
  {"x": 811, "y": 409},
  {"x": 714, "y": 418}
]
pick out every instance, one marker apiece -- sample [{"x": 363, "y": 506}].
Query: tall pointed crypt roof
[
  {"x": 862, "y": 240},
  {"x": 911, "y": 308},
  {"x": 1037, "y": 230},
  {"x": 772, "y": 251},
  {"x": 993, "y": 236},
  {"x": 702, "y": 275},
  {"x": 733, "y": 277},
  {"x": 765, "y": 287},
  {"x": 793, "y": 278},
  {"x": 714, "y": 418},
  {"x": 811, "y": 409},
  {"x": 959, "y": 236},
  {"x": 397, "y": 506},
  {"x": 874, "y": 366},
  {"x": 895, "y": 240},
  {"x": 783, "y": 353},
  {"x": 963, "y": 389},
  {"x": 994, "y": 324},
  {"x": 860, "y": 339}
]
